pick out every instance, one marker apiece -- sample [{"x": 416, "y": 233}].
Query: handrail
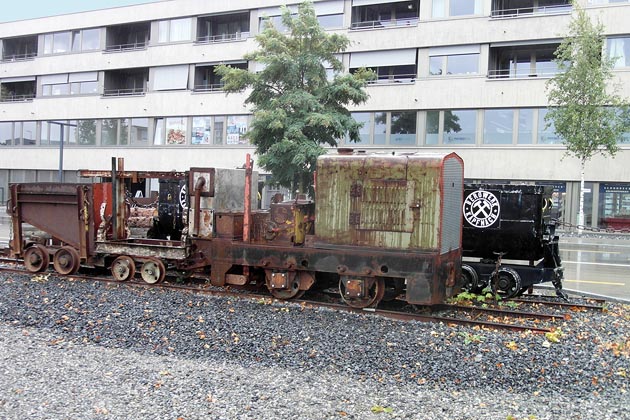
[
  {"x": 540, "y": 71},
  {"x": 19, "y": 57},
  {"x": 376, "y": 24},
  {"x": 124, "y": 92},
  {"x": 126, "y": 47},
  {"x": 395, "y": 78},
  {"x": 222, "y": 38},
  {"x": 209, "y": 87},
  {"x": 529, "y": 11},
  {"x": 17, "y": 98}
]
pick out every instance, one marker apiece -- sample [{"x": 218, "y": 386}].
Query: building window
[
  {"x": 158, "y": 131},
  {"x": 546, "y": 134},
  {"x": 399, "y": 126},
  {"x": 403, "y": 128},
  {"x": 175, "y": 30},
  {"x": 517, "y": 61},
  {"x": 109, "y": 132},
  {"x": 72, "y": 41},
  {"x": 461, "y": 59},
  {"x": 373, "y": 14},
  {"x": 525, "y": 125},
  {"x": 432, "y": 135},
  {"x": 86, "y": 130},
  {"x": 329, "y": 14},
  {"x": 139, "y": 132},
  {"x": 221, "y": 28},
  {"x": 29, "y": 133},
  {"x": 6, "y": 133},
  {"x": 219, "y": 125},
  {"x": 365, "y": 131},
  {"x": 498, "y": 126},
  {"x": 456, "y": 8},
  {"x": 70, "y": 84},
  {"x": 170, "y": 77},
  {"x": 236, "y": 129},
  {"x": 454, "y": 64},
  {"x": 392, "y": 66},
  {"x": 618, "y": 49},
  {"x": 459, "y": 126}
]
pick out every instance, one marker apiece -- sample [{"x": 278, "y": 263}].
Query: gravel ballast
[{"x": 88, "y": 350}]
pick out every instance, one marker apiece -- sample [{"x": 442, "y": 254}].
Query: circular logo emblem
[
  {"x": 481, "y": 209},
  {"x": 183, "y": 197}
]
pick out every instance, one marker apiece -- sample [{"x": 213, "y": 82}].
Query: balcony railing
[
  {"x": 17, "y": 98},
  {"x": 377, "y": 24},
  {"x": 124, "y": 92},
  {"x": 209, "y": 87},
  {"x": 397, "y": 78},
  {"x": 126, "y": 47},
  {"x": 19, "y": 57},
  {"x": 208, "y": 39},
  {"x": 529, "y": 11},
  {"x": 540, "y": 71}
]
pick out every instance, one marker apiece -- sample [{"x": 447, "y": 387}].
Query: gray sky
[{"x": 28, "y": 9}]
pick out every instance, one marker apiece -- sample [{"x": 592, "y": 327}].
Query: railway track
[{"x": 451, "y": 314}]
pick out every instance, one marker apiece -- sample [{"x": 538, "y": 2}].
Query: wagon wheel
[
  {"x": 153, "y": 271},
  {"x": 376, "y": 291},
  {"x": 66, "y": 260},
  {"x": 507, "y": 283},
  {"x": 123, "y": 268},
  {"x": 36, "y": 259}
]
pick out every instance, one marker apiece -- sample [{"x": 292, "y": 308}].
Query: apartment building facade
[{"x": 453, "y": 75}]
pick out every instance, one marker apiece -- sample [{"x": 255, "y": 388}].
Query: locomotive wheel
[
  {"x": 394, "y": 289},
  {"x": 287, "y": 294},
  {"x": 376, "y": 291},
  {"x": 292, "y": 292},
  {"x": 153, "y": 271},
  {"x": 123, "y": 268},
  {"x": 506, "y": 283},
  {"x": 66, "y": 260},
  {"x": 36, "y": 259}
]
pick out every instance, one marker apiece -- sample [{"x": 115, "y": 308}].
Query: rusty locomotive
[{"x": 380, "y": 227}]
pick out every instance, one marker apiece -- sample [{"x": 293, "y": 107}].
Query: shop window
[
  {"x": 614, "y": 206},
  {"x": 201, "y": 130},
  {"x": 176, "y": 129},
  {"x": 236, "y": 129}
]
